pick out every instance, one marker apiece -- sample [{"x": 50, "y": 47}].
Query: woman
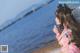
[{"x": 68, "y": 32}]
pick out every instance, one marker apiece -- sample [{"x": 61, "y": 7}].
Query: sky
[{"x": 9, "y": 9}]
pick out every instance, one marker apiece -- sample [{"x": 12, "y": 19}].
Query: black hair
[{"x": 65, "y": 16}]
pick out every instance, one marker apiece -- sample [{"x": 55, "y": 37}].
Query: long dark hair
[{"x": 65, "y": 16}]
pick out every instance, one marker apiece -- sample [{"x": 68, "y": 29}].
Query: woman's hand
[{"x": 55, "y": 30}]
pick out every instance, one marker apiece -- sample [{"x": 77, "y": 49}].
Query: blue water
[{"x": 30, "y": 32}]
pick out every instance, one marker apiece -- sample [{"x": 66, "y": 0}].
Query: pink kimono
[{"x": 63, "y": 40}]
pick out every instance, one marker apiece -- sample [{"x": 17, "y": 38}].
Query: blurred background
[{"x": 26, "y": 25}]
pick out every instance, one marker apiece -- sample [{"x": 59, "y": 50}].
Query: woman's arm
[{"x": 55, "y": 30}]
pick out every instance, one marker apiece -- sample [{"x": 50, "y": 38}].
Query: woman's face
[{"x": 57, "y": 21}]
